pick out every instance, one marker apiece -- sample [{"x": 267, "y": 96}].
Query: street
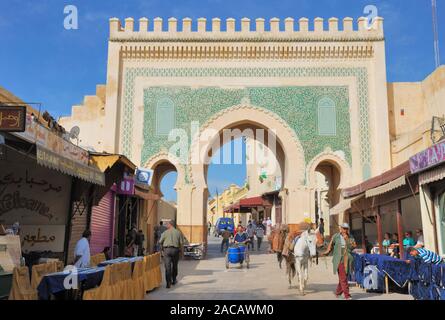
[{"x": 210, "y": 280}]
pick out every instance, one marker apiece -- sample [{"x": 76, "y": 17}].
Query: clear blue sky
[{"x": 40, "y": 61}]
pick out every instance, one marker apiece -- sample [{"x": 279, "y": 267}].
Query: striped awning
[
  {"x": 394, "y": 184},
  {"x": 432, "y": 175},
  {"x": 344, "y": 205}
]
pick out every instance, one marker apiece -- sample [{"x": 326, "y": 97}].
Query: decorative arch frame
[
  {"x": 329, "y": 156},
  {"x": 294, "y": 162},
  {"x": 164, "y": 157}
]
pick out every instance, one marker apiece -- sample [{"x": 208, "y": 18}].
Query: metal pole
[
  {"x": 436, "y": 34},
  {"x": 379, "y": 231},
  {"x": 400, "y": 227}
]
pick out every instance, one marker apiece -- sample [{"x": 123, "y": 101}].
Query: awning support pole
[
  {"x": 379, "y": 231},
  {"x": 400, "y": 227}
]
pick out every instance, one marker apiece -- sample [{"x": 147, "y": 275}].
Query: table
[
  {"x": 120, "y": 260},
  {"x": 54, "y": 283}
]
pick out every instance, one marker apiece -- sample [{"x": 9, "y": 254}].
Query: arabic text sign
[
  {"x": 428, "y": 158},
  {"x": 36, "y": 133},
  {"x": 42, "y": 238},
  {"x": 53, "y": 160},
  {"x": 12, "y": 119}
]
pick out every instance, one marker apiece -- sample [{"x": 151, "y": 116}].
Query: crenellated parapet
[{"x": 247, "y": 30}]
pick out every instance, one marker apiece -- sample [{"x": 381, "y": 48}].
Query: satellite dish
[{"x": 74, "y": 132}]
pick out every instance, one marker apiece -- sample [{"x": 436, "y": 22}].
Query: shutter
[
  {"x": 78, "y": 226},
  {"x": 102, "y": 224}
]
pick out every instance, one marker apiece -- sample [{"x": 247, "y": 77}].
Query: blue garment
[
  {"x": 429, "y": 256},
  {"x": 53, "y": 283},
  {"x": 240, "y": 237}
]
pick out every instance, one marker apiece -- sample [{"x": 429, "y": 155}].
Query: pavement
[{"x": 210, "y": 280}]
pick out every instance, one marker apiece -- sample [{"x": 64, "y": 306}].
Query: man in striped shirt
[{"x": 427, "y": 256}]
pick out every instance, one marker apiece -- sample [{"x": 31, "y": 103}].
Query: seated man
[
  {"x": 427, "y": 256},
  {"x": 420, "y": 242}
]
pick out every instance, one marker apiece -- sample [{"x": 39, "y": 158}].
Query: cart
[{"x": 237, "y": 254}]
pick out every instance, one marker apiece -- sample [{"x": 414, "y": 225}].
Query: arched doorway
[
  {"x": 328, "y": 173},
  {"x": 288, "y": 153},
  {"x": 165, "y": 167}
]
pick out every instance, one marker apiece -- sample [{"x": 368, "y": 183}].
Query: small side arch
[{"x": 333, "y": 158}]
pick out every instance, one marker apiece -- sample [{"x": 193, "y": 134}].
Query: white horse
[{"x": 305, "y": 248}]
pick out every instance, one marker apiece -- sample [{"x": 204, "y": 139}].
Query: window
[
  {"x": 327, "y": 117},
  {"x": 165, "y": 116}
]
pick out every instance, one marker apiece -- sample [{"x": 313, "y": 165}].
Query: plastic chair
[
  {"x": 21, "y": 285},
  {"x": 104, "y": 291}
]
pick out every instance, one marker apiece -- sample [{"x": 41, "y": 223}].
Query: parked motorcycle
[{"x": 194, "y": 250}]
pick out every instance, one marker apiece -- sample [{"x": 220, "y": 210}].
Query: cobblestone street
[{"x": 209, "y": 280}]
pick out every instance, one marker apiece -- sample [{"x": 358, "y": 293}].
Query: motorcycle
[{"x": 194, "y": 250}]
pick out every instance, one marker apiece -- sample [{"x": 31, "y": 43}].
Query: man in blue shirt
[{"x": 241, "y": 236}]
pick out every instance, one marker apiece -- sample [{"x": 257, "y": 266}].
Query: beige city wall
[{"x": 421, "y": 101}]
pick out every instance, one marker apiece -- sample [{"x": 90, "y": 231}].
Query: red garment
[{"x": 343, "y": 286}]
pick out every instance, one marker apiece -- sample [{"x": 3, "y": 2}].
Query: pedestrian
[
  {"x": 157, "y": 236},
  {"x": 259, "y": 232},
  {"x": 321, "y": 227},
  {"x": 132, "y": 247},
  {"x": 268, "y": 226},
  {"x": 342, "y": 245},
  {"x": 171, "y": 242},
  {"x": 225, "y": 240},
  {"x": 162, "y": 228},
  {"x": 140, "y": 238},
  {"x": 250, "y": 230},
  {"x": 82, "y": 254},
  {"x": 209, "y": 228}
]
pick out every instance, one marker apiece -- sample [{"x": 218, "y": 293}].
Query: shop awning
[
  {"x": 70, "y": 167},
  {"x": 432, "y": 175},
  {"x": 401, "y": 181},
  {"x": 344, "y": 205},
  {"x": 254, "y": 202},
  {"x": 104, "y": 161},
  {"x": 386, "y": 177}
]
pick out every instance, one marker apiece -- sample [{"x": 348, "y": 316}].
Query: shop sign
[
  {"x": 428, "y": 158},
  {"x": 144, "y": 176},
  {"x": 68, "y": 166},
  {"x": 38, "y": 134},
  {"x": 126, "y": 186},
  {"x": 42, "y": 238},
  {"x": 12, "y": 119}
]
